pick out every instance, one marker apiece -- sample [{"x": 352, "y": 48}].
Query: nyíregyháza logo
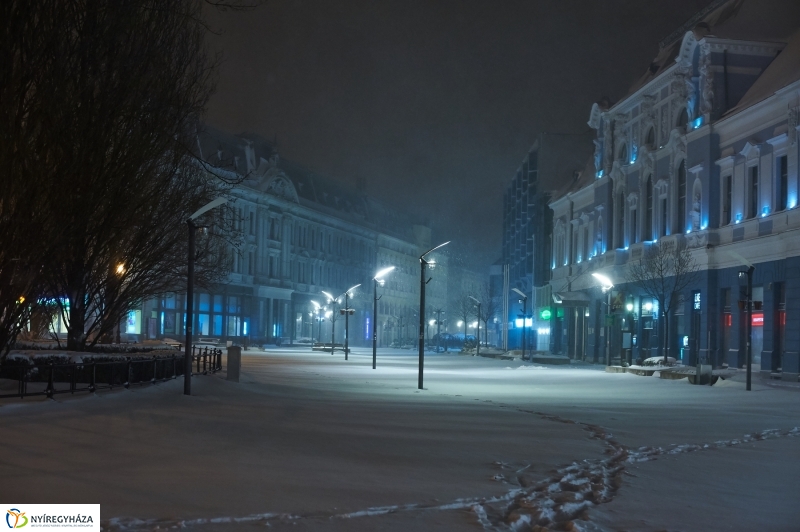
[{"x": 16, "y": 518}]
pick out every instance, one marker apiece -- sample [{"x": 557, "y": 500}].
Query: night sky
[{"x": 434, "y": 103}]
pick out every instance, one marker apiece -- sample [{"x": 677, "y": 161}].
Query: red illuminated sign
[{"x": 757, "y": 320}]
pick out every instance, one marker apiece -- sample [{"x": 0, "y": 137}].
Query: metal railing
[{"x": 50, "y": 379}]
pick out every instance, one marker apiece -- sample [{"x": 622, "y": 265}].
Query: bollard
[
  {"x": 128, "y": 380},
  {"x": 49, "y": 390},
  {"x": 92, "y": 377},
  {"x": 234, "y": 362}
]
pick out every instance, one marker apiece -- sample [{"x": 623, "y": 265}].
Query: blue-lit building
[
  {"x": 702, "y": 153},
  {"x": 303, "y": 233},
  {"x": 553, "y": 159}
]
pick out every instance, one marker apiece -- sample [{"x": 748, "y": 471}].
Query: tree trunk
[
  {"x": 666, "y": 338},
  {"x": 76, "y": 337}
]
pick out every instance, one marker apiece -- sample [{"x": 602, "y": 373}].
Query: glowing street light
[
  {"x": 422, "y": 264},
  {"x": 331, "y": 301},
  {"x": 377, "y": 280},
  {"x": 346, "y": 311},
  {"x": 187, "y": 360},
  {"x": 606, "y": 285}
]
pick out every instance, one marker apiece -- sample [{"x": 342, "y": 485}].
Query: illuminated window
[
  {"x": 752, "y": 192},
  {"x": 727, "y": 185},
  {"x": 783, "y": 183}
]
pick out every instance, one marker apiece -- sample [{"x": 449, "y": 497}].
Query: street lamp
[
  {"x": 478, "y": 303},
  {"x": 747, "y": 276},
  {"x": 187, "y": 359},
  {"x": 524, "y": 302},
  {"x": 332, "y": 302},
  {"x": 317, "y": 310},
  {"x": 422, "y": 264},
  {"x": 606, "y": 285},
  {"x": 378, "y": 279},
  {"x": 346, "y": 311}
]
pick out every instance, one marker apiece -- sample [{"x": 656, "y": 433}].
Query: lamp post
[
  {"x": 317, "y": 309},
  {"x": 422, "y": 264},
  {"x": 748, "y": 274},
  {"x": 187, "y": 358},
  {"x": 478, "y": 303},
  {"x": 346, "y": 311},
  {"x": 606, "y": 285},
  {"x": 524, "y": 302},
  {"x": 378, "y": 279},
  {"x": 332, "y": 303}
]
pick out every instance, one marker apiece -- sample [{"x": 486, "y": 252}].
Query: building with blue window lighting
[
  {"x": 303, "y": 233},
  {"x": 702, "y": 153},
  {"x": 553, "y": 159}
]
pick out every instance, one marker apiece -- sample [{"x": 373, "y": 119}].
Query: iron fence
[{"x": 50, "y": 379}]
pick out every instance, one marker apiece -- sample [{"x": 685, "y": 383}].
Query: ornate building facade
[
  {"x": 701, "y": 154},
  {"x": 303, "y": 234}
]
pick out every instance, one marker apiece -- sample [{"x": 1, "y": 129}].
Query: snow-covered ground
[{"x": 308, "y": 441}]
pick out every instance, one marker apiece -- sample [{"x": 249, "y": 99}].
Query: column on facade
[{"x": 286, "y": 242}]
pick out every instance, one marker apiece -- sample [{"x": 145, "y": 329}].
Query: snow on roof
[
  {"x": 586, "y": 177},
  {"x": 783, "y": 71},
  {"x": 750, "y": 20}
]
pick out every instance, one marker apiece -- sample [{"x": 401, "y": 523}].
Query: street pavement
[{"x": 309, "y": 441}]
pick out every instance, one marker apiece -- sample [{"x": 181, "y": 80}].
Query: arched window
[
  {"x": 681, "y": 220},
  {"x": 697, "y": 205}
]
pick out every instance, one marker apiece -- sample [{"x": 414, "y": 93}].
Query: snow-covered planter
[{"x": 659, "y": 362}]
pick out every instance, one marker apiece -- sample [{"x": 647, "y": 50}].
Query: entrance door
[{"x": 694, "y": 338}]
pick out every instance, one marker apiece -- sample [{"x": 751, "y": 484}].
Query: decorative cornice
[
  {"x": 763, "y": 48},
  {"x": 726, "y": 163},
  {"x": 751, "y": 150}
]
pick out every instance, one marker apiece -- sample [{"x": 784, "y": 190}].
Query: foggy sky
[{"x": 434, "y": 103}]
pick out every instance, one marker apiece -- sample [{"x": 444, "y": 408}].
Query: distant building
[
  {"x": 527, "y": 226},
  {"x": 702, "y": 153},
  {"x": 303, "y": 234}
]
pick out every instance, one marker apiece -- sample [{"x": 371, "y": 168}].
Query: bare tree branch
[{"x": 664, "y": 272}]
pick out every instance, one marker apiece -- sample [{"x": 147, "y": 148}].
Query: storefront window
[
  {"x": 757, "y": 322},
  {"x": 133, "y": 324}
]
